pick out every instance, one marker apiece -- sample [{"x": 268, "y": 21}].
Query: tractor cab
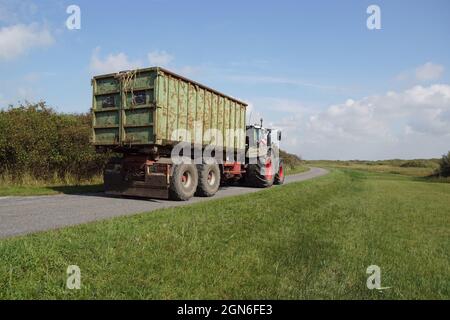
[
  {"x": 256, "y": 136},
  {"x": 261, "y": 141}
]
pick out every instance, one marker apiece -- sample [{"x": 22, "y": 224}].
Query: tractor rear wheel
[
  {"x": 208, "y": 179},
  {"x": 183, "y": 182},
  {"x": 260, "y": 175},
  {"x": 279, "y": 176}
]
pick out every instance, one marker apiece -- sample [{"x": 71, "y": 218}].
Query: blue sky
[{"x": 312, "y": 68}]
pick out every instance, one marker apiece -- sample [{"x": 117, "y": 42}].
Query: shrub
[
  {"x": 415, "y": 164},
  {"x": 444, "y": 165},
  {"x": 38, "y": 142},
  {"x": 290, "y": 160}
]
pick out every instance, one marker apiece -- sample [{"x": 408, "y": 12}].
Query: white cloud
[
  {"x": 18, "y": 39},
  {"x": 159, "y": 58},
  {"x": 120, "y": 62},
  {"x": 410, "y": 124},
  {"x": 112, "y": 62},
  {"x": 429, "y": 71},
  {"x": 189, "y": 71}
]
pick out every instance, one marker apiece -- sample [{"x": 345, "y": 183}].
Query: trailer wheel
[
  {"x": 279, "y": 176},
  {"x": 260, "y": 175},
  {"x": 208, "y": 179},
  {"x": 183, "y": 182}
]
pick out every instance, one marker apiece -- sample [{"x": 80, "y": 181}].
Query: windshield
[{"x": 253, "y": 135}]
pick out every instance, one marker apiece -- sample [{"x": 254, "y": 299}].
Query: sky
[{"x": 337, "y": 89}]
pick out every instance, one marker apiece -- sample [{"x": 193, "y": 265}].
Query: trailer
[{"x": 174, "y": 137}]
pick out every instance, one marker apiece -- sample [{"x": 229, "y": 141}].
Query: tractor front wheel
[
  {"x": 279, "y": 177},
  {"x": 260, "y": 174}
]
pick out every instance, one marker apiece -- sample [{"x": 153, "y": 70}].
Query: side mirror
[{"x": 279, "y": 135}]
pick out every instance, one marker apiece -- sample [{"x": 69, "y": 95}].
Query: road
[{"x": 23, "y": 215}]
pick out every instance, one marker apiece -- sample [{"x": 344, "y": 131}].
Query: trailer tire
[
  {"x": 260, "y": 175},
  {"x": 208, "y": 179},
  {"x": 183, "y": 182},
  {"x": 279, "y": 176}
]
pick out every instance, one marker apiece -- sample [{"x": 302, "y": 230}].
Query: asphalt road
[{"x": 22, "y": 215}]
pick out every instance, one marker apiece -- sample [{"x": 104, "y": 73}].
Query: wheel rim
[
  {"x": 186, "y": 179},
  {"x": 211, "y": 178}
]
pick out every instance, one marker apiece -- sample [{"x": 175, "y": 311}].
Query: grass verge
[
  {"x": 27, "y": 185},
  {"x": 308, "y": 240},
  {"x": 296, "y": 169},
  {"x": 49, "y": 190}
]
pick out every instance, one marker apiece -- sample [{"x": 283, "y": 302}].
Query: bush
[
  {"x": 444, "y": 165},
  {"x": 290, "y": 160},
  {"x": 38, "y": 142},
  {"x": 415, "y": 164}
]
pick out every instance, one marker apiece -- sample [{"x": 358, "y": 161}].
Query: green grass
[
  {"x": 48, "y": 190},
  {"x": 305, "y": 240},
  {"x": 296, "y": 169},
  {"x": 27, "y": 185},
  {"x": 387, "y": 166}
]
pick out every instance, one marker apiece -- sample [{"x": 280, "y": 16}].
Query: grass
[
  {"x": 387, "y": 166},
  {"x": 422, "y": 169},
  {"x": 27, "y": 185},
  {"x": 296, "y": 169},
  {"x": 308, "y": 240},
  {"x": 49, "y": 190}
]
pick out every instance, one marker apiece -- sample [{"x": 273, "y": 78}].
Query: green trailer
[
  {"x": 147, "y": 107},
  {"x": 144, "y": 114}
]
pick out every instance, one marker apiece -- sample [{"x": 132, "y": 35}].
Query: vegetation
[
  {"x": 293, "y": 164},
  {"x": 414, "y": 168},
  {"x": 39, "y": 190},
  {"x": 41, "y": 147},
  {"x": 296, "y": 169},
  {"x": 290, "y": 160},
  {"x": 444, "y": 165},
  {"x": 312, "y": 239},
  {"x": 416, "y": 164}
]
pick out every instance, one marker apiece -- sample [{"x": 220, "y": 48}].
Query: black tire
[
  {"x": 256, "y": 175},
  {"x": 279, "y": 176},
  {"x": 183, "y": 182},
  {"x": 208, "y": 180}
]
